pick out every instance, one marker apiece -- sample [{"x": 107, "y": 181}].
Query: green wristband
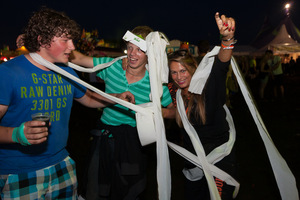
[{"x": 18, "y": 135}]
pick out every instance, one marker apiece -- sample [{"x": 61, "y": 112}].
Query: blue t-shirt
[{"x": 26, "y": 89}]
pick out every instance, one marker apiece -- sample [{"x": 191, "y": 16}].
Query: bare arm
[
  {"x": 169, "y": 112},
  {"x": 227, "y": 28},
  {"x": 34, "y": 131},
  {"x": 81, "y": 59},
  {"x": 5, "y": 132},
  {"x": 94, "y": 100}
]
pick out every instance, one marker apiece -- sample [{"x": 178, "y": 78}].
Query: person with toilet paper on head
[{"x": 123, "y": 173}]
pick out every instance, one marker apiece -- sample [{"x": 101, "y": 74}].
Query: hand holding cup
[{"x": 41, "y": 117}]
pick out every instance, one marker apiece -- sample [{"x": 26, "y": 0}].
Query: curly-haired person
[{"x": 34, "y": 162}]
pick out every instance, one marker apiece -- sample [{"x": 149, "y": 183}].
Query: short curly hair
[{"x": 46, "y": 24}]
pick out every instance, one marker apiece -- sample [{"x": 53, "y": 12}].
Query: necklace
[{"x": 134, "y": 74}]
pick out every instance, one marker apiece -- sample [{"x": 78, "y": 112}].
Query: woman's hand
[{"x": 226, "y": 26}]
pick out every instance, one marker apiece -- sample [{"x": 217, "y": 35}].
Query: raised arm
[{"x": 227, "y": 29}]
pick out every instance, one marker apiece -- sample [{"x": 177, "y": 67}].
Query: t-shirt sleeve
[
  {"x": 101, "y": 60},
  {"x": 166, "y": 98}
]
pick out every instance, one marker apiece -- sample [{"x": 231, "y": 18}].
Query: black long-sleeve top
[{"x": 215, "y": 131}]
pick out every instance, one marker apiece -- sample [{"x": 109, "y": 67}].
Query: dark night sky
[{"x": 185, "y": 20}]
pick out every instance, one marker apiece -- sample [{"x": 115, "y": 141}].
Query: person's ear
[{"x": 39, "y": 39}]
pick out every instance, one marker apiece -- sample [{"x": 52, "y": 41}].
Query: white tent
[
  {"x": 282, "y": 43},
  {"x": 284, "y": 39}
]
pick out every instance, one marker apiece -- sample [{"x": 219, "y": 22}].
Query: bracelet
[
  {"x": 227, "y": 47},
  {"x": 18, "y": 135},
  {"x": 230, "y": 46}
]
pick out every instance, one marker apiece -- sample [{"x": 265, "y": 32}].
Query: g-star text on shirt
[
  {"x": 47, "y": 79},
  {"x": 49, "y": 94}
]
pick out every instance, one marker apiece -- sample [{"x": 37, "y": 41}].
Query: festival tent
[{"x": 283, "y": 39}]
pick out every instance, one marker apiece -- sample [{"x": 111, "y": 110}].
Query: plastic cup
[{"x": 41, "y": 117}]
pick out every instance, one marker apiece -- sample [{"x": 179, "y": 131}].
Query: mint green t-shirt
[{"x": 116, "y": 82}]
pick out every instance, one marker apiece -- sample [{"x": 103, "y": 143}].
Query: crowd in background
[{"x": 251, "y": 68}]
